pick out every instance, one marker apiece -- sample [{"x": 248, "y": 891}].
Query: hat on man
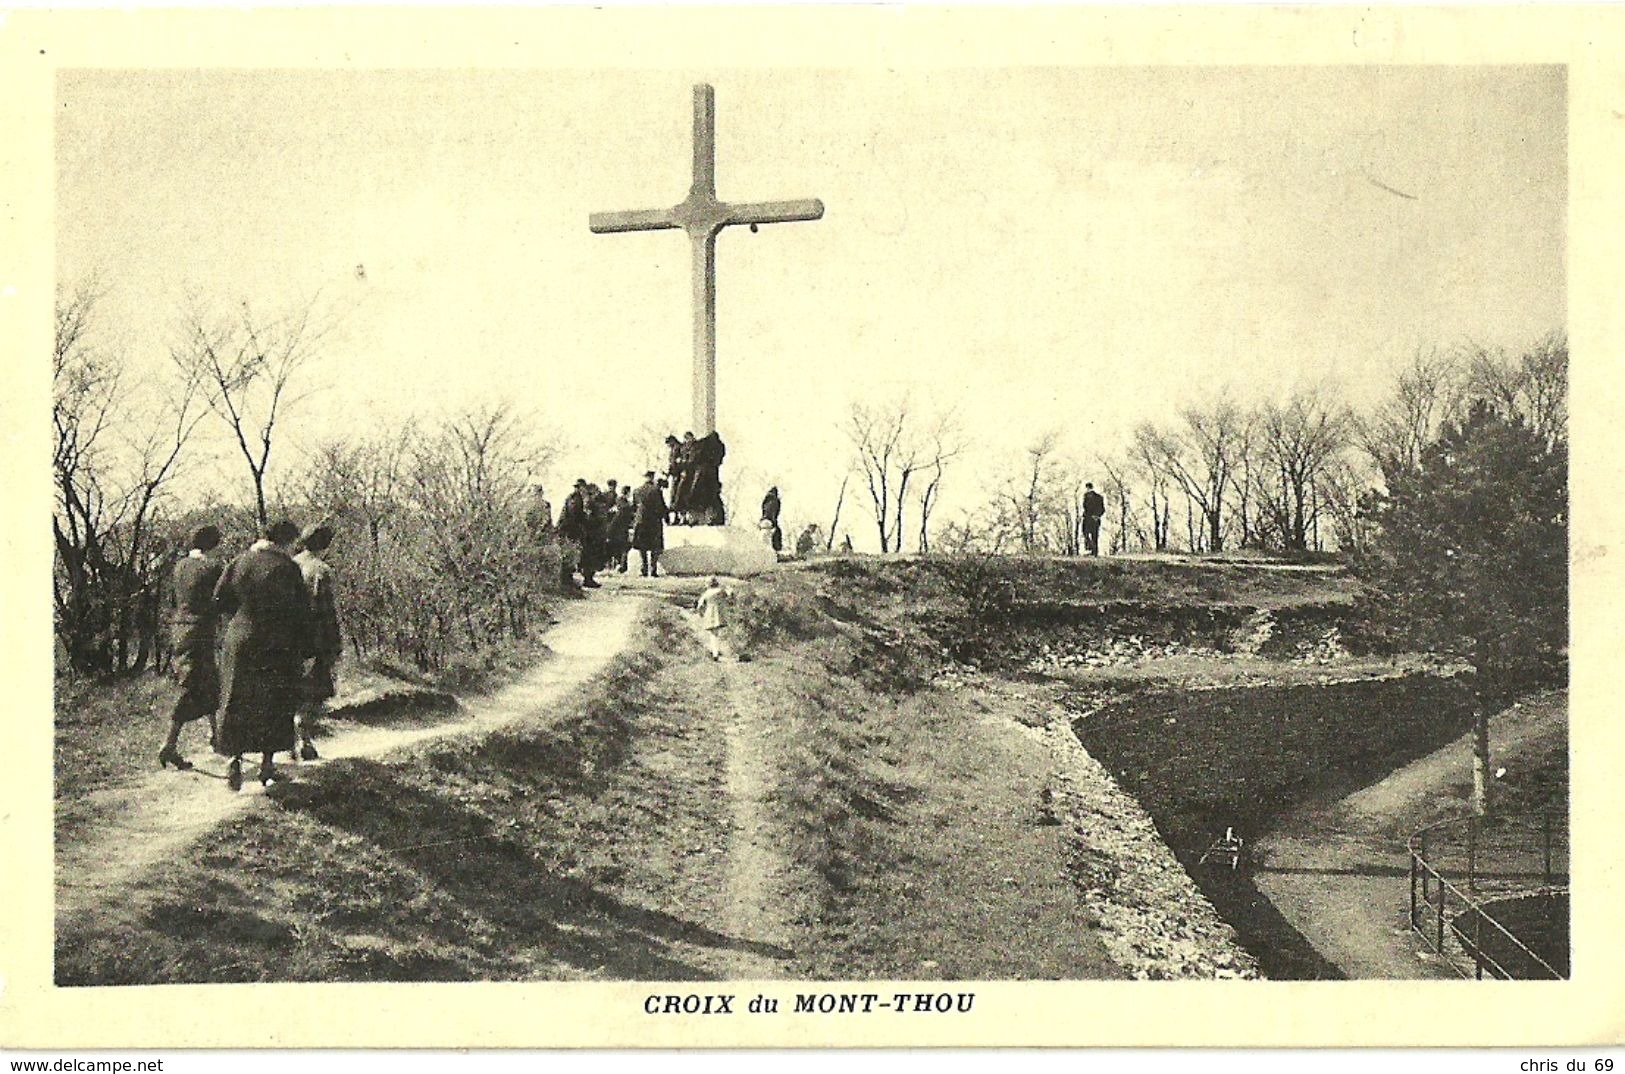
[
  {"x": 205, "y": 538},
  {"x": 581, "y": 482}
]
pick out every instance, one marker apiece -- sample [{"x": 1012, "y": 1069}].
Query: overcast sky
[{"x": 1048, "y": 248}]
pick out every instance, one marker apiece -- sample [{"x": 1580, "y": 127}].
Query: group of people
[
  {"x": 598, "y": 528},
  {"x": 695, "y": 469},
  {"x": 275, "y": 670}
]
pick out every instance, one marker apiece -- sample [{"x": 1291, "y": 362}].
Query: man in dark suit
[
  {"x": 266, "y": 644},
  {"x": 1094, "y": 509},
  {"x": 649, "y": 525},
  {"x": 572, "y": 532}
]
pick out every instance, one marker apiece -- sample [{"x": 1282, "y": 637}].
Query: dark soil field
[{"x": 1202, "y": 761}]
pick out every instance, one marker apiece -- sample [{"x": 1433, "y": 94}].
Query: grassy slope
[
  {"x": 594, "y": 847},
  {"x": 580, "y": 849},
  {"x": 912, "y": 828}
]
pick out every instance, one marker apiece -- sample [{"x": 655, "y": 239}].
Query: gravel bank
[{"x": 1154, "y": 921}]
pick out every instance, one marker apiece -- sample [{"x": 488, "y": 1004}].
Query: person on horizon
[
  {"x": 192, "y": 633},
  {"x": 266, "y": 642},
  {"x": 1094, "y": 509},
  {"x": 712, "y": 608},
  {"x": 649, "y": 526},
  {"x": 770, "y": 514},
  {"x": 810, "y": 541},
  {"x": 326, "y": 642}
]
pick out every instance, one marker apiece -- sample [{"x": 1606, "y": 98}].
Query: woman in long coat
[
  {"x": 192, "y": 623},
  {"x": 649, "y": 526},
  {"x": 266, "y": 644}
]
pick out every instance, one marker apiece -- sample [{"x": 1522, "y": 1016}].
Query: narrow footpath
[
  {"x": 1340, "y": 874},
  {"x": 148, "y": 823}
]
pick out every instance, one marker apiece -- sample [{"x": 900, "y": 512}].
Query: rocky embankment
[{"x": 1155, "y": 922}]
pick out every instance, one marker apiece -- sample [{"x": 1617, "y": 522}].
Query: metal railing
[{"x": 1473, "y": 876}]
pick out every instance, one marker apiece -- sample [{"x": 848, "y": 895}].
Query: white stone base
[{"x": 715, "y": 550}]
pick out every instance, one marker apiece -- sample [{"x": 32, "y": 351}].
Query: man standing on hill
[
  {"x": 1094, "y": 509},
  {"x": 319, "y": 684},
  {"x": 649, "y": 525},
  {"x": 192, "y": 630},
  {"x": 266, "y": 644}
]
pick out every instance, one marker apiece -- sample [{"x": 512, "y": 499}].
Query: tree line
[
  {"x": 1289, "y": 475},
  {"x": 436, "y": 555}
]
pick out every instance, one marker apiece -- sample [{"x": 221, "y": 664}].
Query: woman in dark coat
[
  {"x": 649, "y": 526},
  {"x": 191, "y": 625},
  {"x": 266, "y": 644},
  {"x": 770, "y": 514}
]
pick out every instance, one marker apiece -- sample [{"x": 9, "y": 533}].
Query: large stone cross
[{"x": 702, "y": 216}]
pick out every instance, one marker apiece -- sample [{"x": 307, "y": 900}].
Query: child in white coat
[{"x": 712, "y": 608}]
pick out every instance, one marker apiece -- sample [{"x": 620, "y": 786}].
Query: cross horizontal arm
[
  {"x": 775, "y": 212},
  {"x": 632, "y": 220}
]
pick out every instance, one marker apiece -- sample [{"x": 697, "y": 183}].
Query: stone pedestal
[{"x": 703, "y": 550}]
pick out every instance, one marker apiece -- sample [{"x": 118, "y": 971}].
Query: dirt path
[
  {"x": 146, "y": 824},
  {"x": 1340, "y": 874},
  {"x": 756, "y": 866},
  {"x": 752, "y": 904}
]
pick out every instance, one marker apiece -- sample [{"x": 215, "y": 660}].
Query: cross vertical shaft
[
  {"x": 705, "y": 333},
  {"x": 702, "y": 215},
  {"x": 704, "y": 247}
]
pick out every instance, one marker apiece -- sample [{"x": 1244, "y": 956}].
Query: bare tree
[
  {"x": 893, "y": 445},
  {"x": 1115, "y": 489},
  {"x": 1245, "y": 481},
  {"x": 835, "y": 522},
  {"x": 247, "y": 364},
  {"x": 85, "y": 392},
  {"x": 1201, "y": 458},
  {"x": 1025, "y": 498},
  {"x": 360, "y": 478},
  {"x": 115, "y": 450},
  {"x": 1425, "y": 393},
  {"x": 1531, "y": 387},
  {"x": 1149, "y": 459},
  {"x": 946, "y": 445},
  {"x": 467, "y": 487},
  {"x": 647, "y": 447},
  {"x": 1302, "y": 438}
]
